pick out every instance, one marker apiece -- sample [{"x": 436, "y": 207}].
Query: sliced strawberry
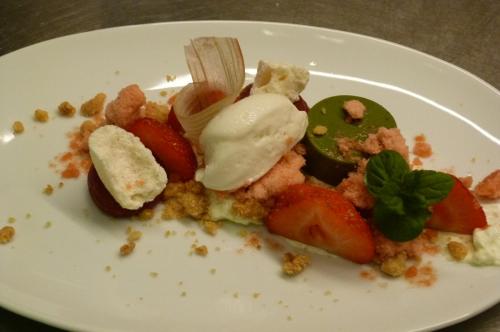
[
  {"x": 105, "y": 201},
  {"x": 322, "y": 218},
  {"x": 174, "y": 122},
  {"x": 459, "y": 212},
  {"x": 171, "y": 150}
]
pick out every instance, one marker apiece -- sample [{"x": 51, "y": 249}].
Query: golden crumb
[
  {"x": 153, "y": 274},
  {"x": 320, "y": 130},
  {"x": 201, "y": 250},
  {"x": 48, "y": 190},
  {"x": 127, "y": 248},
  {"x": 249, "y": 208},
  {"x": 217, "y": 248},
  {"x": 173, "y": 209},
  {"x": 41, "y": 115},
  {"x": 253, "y": 240},
  {"x": 210, "y": 227},
  {"x": 18, "y": 127},
  {"x": 294, "y": 264},
  {"x": 6, "y": 234},
  {"x": 289, "y": 317},
  {"x": 157, "y": 111},
  {"x": 163, "y": 93},
  {"x": 256, "y": 295},
  {"x": 107, "y": 268},
  {"x": 394, "y": 266},
  {"x": 327, "y": 293},
  {"x": 146, "y": 214},
  {"x": 48, "y": 224},
  {"x": 457, "y": 250},
  {"x": 243, "y": 233},
  {"x": 194, "y": 205},
  {"x": 134, "y": 235},
  {"x": 167, "y": 233},
  {"x": 236, "y": 295},
  {"x": 170, "y": 78},
  {"x": 129, "y": 230},
  {"x": 213, "y": 270},
  {"x": 66, "y": 109},
  {"x": 11, "y": 220},
  {"x": 93, "y": 106},
  {"x": 183, "y": 294},
  {"x": 28, "y": 215},
  {"x": 87, "y": 127},
  {"x": 60, "y": 185}
]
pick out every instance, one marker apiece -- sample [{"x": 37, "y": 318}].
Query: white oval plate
[{"x": 57, "y": 274}]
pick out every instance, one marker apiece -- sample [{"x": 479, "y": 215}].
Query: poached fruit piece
[{"x": 105, "y": 201}]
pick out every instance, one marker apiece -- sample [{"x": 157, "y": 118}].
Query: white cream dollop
[
  {"x": 126, "y": 167},
  {"x": 487, "y": 241},
  {"x": 282, "y": 79},
  {"x": 247, "y": 138}
]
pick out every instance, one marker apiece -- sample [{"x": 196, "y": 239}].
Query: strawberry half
[
  {"x": 322, "y": 218},
  {"x": 459, "y": 212},
  {"x": 171, "y": 150}
]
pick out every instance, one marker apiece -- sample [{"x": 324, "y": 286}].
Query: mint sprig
[{"x": 403, "y": 197}]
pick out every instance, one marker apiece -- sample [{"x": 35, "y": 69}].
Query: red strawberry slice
[
  {"x": 174, "y": 122},
  {"x": 322, "y": 218},
  {"x": 459, "y": 212},
  {"x": 171, "y": 150}
]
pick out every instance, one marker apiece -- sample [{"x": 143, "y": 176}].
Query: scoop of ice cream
[{"x": 246, "y": 139}]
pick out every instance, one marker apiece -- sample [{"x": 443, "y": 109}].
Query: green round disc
[{"x": 324, "y": 160}]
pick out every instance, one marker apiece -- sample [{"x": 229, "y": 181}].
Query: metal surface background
[{"x": 463, "y": 32}]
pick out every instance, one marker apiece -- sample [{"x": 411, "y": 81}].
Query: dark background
[{"x": 463, "y": 32}]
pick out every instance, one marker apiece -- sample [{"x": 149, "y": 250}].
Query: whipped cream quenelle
[
  {"x": 126, "y": 167},
  {"x": 247, "y": 138}
]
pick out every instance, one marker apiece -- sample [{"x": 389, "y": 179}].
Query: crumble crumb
[
  {"x": 213, "y": 270},
  {"x": 421, "y": 148},
  {"x": 250, "y": 208},
  {"x": 327, "y": 293},
  {"x": 107, "y": 268},
  {"x": 6, "y": 234},
  {"x": 457, "y": 250},
  {"x": 157, "y": 111},
  {"x": 60, "y": 185},
  {"x": 146, "y": 214},
  {"x": 93, "y": 106},
  {"x": 394, "y": 266},
  {"x": 170, "y": 78},
  {"x": 320, "y": 130},
  {"x": 127, "y": 249},
  {"x": 183, "y": 294},
  {"x": 289, "y": 317},
  {"x": 48, "y": 190},
  {"x": 41, "y": 115},
  {"x": 163, "y": 93},
  {"x": 66, "y": 109},
  {"x": 201, "y": 250},
  {"x": 236, "y": 295},
  {"x": 210, "y": 227},
  {"x": 355, "y": 109},
  {"x": 153, "y": 274},
  {"x": 134, "y": 235},
  {"x": 28, "y": 215},
  {"x": 489, "y": 187},
  {"x": 11, "y": 220},
  {"x": 48, "y": 224},
  {"x": 256, "y": 295},
  {"x": 294, "y": 264},
  {"x": 18, "y": 127},
  {"x": 466, "y": 180}
]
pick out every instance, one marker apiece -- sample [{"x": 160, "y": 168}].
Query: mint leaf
[
  {"x": 385, "y": 172},
  {"x": 399, "y": 228},
  {"x": 433, "y": 186},
  {"x": 403, "y": 197}
]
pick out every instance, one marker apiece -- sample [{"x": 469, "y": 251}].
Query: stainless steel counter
[{"x": 463, "y": 32}]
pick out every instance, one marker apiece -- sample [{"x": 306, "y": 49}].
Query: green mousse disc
[{"x": 324, "y": 160}]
